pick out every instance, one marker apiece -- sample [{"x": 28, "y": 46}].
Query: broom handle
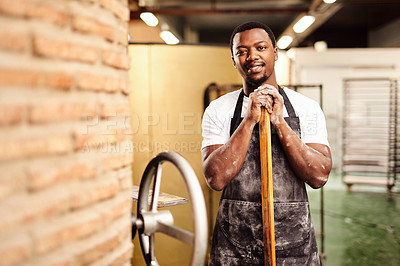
[{"x": 267, "y": 189}]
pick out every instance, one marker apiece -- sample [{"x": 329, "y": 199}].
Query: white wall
[
  {"x": 330, "y": 68},
  {"x": 282, "y": 69}
]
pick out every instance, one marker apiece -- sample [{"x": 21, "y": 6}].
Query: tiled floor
[{"x": 361, "y": 227}]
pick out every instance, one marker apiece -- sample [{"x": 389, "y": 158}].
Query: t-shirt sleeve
[
  {"x": 213, "y": 128},
  {"x": 313, "y": 126}
]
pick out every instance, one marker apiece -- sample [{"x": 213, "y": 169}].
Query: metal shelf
[{"x": 370, "y": 142}]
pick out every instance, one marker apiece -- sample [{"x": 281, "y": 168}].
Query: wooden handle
[{"x": 267, "y": 196}]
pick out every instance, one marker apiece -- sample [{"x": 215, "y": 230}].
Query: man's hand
[{"x": 265, "y": 96}]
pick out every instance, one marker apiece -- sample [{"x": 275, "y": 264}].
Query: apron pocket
[
  {"x": 292, "y": 224},
  {"x": 240, "y": 222}
]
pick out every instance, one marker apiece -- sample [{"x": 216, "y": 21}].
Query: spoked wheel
[{"x": 150, "y": 220}]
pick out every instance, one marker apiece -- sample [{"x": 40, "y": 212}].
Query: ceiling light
[
  {"x": 303, "y": 24},
  {"x": 329, "y": 1},
  {"x": 320, "y": 46},
  {"x": 284, "y": 42},
  {"x": 168, "y": 37},
  {"x": 149, "y": 18}
]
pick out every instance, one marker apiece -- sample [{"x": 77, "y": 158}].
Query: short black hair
[{"x": 249, "y": 26}]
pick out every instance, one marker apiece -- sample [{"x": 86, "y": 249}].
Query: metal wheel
[{"x": 150, "y": 220}]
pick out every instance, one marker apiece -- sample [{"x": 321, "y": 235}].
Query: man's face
[{"x": 254, "y": 56}]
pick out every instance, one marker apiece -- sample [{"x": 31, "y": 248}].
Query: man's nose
[{"x": 253, "y": 55}]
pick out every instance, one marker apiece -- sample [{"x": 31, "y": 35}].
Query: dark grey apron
[{"x": 238, "y": 232}]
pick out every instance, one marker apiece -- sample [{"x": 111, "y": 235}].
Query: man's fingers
[{"x": 266, "y": 87}]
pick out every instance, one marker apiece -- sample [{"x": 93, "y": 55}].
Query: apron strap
[
  {"x": 288, "y": 105},
  {"x": 238, "y": 113}
]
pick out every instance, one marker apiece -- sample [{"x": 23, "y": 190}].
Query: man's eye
[
  {"x": 261, "y": 48},
  {"x": 240, "y": 52}
]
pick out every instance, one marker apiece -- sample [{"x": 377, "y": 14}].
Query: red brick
[
  {"x": 90, "y": 251},
  {"x": 11, "y": 114},
  {"x": 57, "y": 258},
  {"x": 121, "y": 36},
  {"x": 123, "y": 255},
  {"x": 15, "y": 249},
  {"x": 88, "y": 81},
  {"x": 125, "y": 181},
  {"x": 116, "y": 59},
  {"x": 127, "y": 88},
  {"x": 83, "y": 171},
  {"x": 118, "y": 8},
  {"x": 122, "y": 207},
  {"x": 84, "y": 227},
  {"x": 32, "y": 78},
  {"x": 91, "y": 141},
  {"x": 125, "y": 141},
  {"x": 45, "y": 12},
  {"x": 93, "y": 192},
  {"x": 85, "y": 24},
  {"x": 13, "y": 41},
  {"x": 15, "y": 7},
  {"x": 117, "y": 208},
  {"x": 114, "y": 110},
  {"x": 94, "y": 82},
  {"x": 13, "y": 180},
  {"x": 34, "y": 147},
  {"x": 41, "y": 176},
  {"x": 125, "y": 231},
  {"x": 52, "y": 112},
  {"x": 50, "y": 47},
  {"x": 55, "y": 233},
  {"x": 126, "y": 135},
  {"x": 98, "y": 249},
  {"x": 20, "y": 211},
  {"x": 116, "y": 161},
  {"x": 101, "y": 137},
  {"x": 58, "y": 80},
  {"x": 42, "y": 173},
  {"x": 33, "y": 9},
  {"x": 94, "y": 141}
]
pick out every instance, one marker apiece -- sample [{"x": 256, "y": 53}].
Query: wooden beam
[{"x": 216, "y": 11}]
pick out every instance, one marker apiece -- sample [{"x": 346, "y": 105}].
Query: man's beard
[{"x": 255, "y": 83}]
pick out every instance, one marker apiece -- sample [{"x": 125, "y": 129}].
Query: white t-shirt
[{"x": 217, "y": 118}]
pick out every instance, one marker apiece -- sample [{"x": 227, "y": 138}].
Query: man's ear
[
  {"x": 276, "y": 52},
  {"x": 233, "y": 60}
]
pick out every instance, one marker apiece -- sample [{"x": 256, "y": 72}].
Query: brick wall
[{"x": 65, "y": 141}]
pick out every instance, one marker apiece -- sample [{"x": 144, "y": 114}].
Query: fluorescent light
[
  {"x": 303, "y": 24},
  {"x": 168, "y": 37},
  {"x": 149, "y": 18},
  {"x": 284, "y": 42},
  {"x": 329, "y": 1}
]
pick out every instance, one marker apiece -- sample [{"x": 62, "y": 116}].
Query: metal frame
[
  {"x": 150, "y": 220},
  {"x": 394, "y": 163},
  {"x": 388, "y": 120}
]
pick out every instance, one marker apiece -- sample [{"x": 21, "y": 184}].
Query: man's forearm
[
  {"x": 221, "y": 163},
  {"x": 312, "y": 162}
]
